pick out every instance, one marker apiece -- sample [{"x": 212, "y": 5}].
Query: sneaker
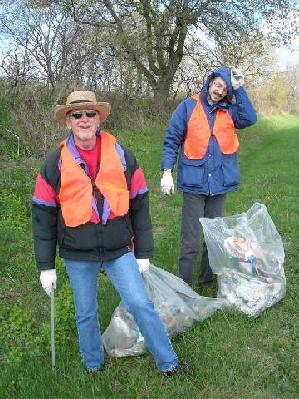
[
  {"x": 93, "y": 371},
  {"x": 177, "y": 371},
  {"x": 208, "y": 284}
]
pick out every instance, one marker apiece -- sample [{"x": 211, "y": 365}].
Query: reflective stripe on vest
[
  {"x": 199, "y": 132},
  {"x": 76, "y": 187}
]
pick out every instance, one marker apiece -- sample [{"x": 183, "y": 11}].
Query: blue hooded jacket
[{"x": 216, "y": 173}]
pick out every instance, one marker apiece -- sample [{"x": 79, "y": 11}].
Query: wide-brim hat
[{"x": 82, "y": 100}]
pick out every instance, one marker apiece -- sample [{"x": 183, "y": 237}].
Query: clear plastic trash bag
[
  {"x": 122, "y": 337},
  {"x": 178, "y": 305},
  {"x": 246, "y": 252}
]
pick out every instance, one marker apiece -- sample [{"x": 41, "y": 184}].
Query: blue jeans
[{"x": 124, "y": 275}]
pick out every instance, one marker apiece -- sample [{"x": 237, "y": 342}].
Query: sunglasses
[{"x": 79, "y": 114}]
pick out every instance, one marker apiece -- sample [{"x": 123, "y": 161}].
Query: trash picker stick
[{"x": 52, "y": 328}]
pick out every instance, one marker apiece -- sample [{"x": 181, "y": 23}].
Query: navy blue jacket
[{"x": 216, "y": 173}]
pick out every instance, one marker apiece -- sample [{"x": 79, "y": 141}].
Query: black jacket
[{"x": 90, "y": 241}]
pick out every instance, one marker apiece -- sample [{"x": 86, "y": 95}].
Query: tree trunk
[{"x": 161, "y": 92}]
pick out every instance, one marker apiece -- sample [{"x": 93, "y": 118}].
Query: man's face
[
  {"x": 217, "y": 89},
  {"x": 83, "y": 124}
]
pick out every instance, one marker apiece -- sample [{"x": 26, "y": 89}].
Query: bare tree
[
  {"x": 17, "y": 68},
  {"x": 49, "y": 41}
]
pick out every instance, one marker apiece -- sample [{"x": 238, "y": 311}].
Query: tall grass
[{"x": 229, "y": 355}]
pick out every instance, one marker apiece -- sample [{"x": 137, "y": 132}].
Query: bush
[
  {"x": 30, "y": 115},
  {"x": 8, "y": 142}
]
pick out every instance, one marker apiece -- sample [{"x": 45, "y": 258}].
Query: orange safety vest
[
  {"x": 199, "y": 132},
  {"x": 76, "y": 190}
]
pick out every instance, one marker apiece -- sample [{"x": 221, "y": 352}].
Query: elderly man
[
  {"x": 204, "y": 128},
  {"x": 91, "y": 198}
]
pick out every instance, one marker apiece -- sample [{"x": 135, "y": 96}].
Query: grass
[{"x": 229, "y": 355}]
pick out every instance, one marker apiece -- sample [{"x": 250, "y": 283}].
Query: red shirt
[{"x": 91, "y": 157}]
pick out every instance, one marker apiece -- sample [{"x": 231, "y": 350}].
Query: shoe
[
  {"x": 208, "y": 284},
  {"x": 179, "y": 370},
  {"x": 93, "y": 371}
]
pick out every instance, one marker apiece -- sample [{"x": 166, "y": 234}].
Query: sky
[{"x": 286, "y": 57}]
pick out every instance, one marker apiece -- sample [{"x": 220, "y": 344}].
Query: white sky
[{"x": 287, "y": 57}]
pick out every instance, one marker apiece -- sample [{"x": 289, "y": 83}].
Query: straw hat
[{"x": 82, "y": 100}]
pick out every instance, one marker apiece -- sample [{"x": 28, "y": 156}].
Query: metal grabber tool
[{"x": 52, "y": 327}]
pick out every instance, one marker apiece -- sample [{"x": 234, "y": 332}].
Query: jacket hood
[{"x": 225, "y": 74}]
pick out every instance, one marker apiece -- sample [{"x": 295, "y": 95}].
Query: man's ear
[{"x": 68, "y": 122}]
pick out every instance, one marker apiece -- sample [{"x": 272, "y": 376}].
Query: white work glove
[
  {"x": 237, "y": 78},
  {"x": 167, "y": 186},
  {"x": 143, "y": 265},
  {"x": 47, "y": 279}
]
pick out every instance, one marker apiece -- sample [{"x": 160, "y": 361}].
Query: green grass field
[{"x": 229, "y": 355}]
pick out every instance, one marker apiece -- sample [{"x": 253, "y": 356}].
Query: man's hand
[
  {"x": 237, "y": 78},
  {"x": 143, "y": 265},
  {"x": 47, "y": 279},
  {"x": 167, "y": 186}
]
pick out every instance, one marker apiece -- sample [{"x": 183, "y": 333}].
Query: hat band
[{"x": 80, "y": 101}]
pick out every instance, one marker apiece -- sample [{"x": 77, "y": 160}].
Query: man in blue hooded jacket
[{"x": 204, "y": 127}]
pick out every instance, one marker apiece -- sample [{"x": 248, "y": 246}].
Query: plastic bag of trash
[
  {"x": 178, "y": 305},
  {"x": 122, "y": 337},
  {"x": 246, "y": 252}
]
